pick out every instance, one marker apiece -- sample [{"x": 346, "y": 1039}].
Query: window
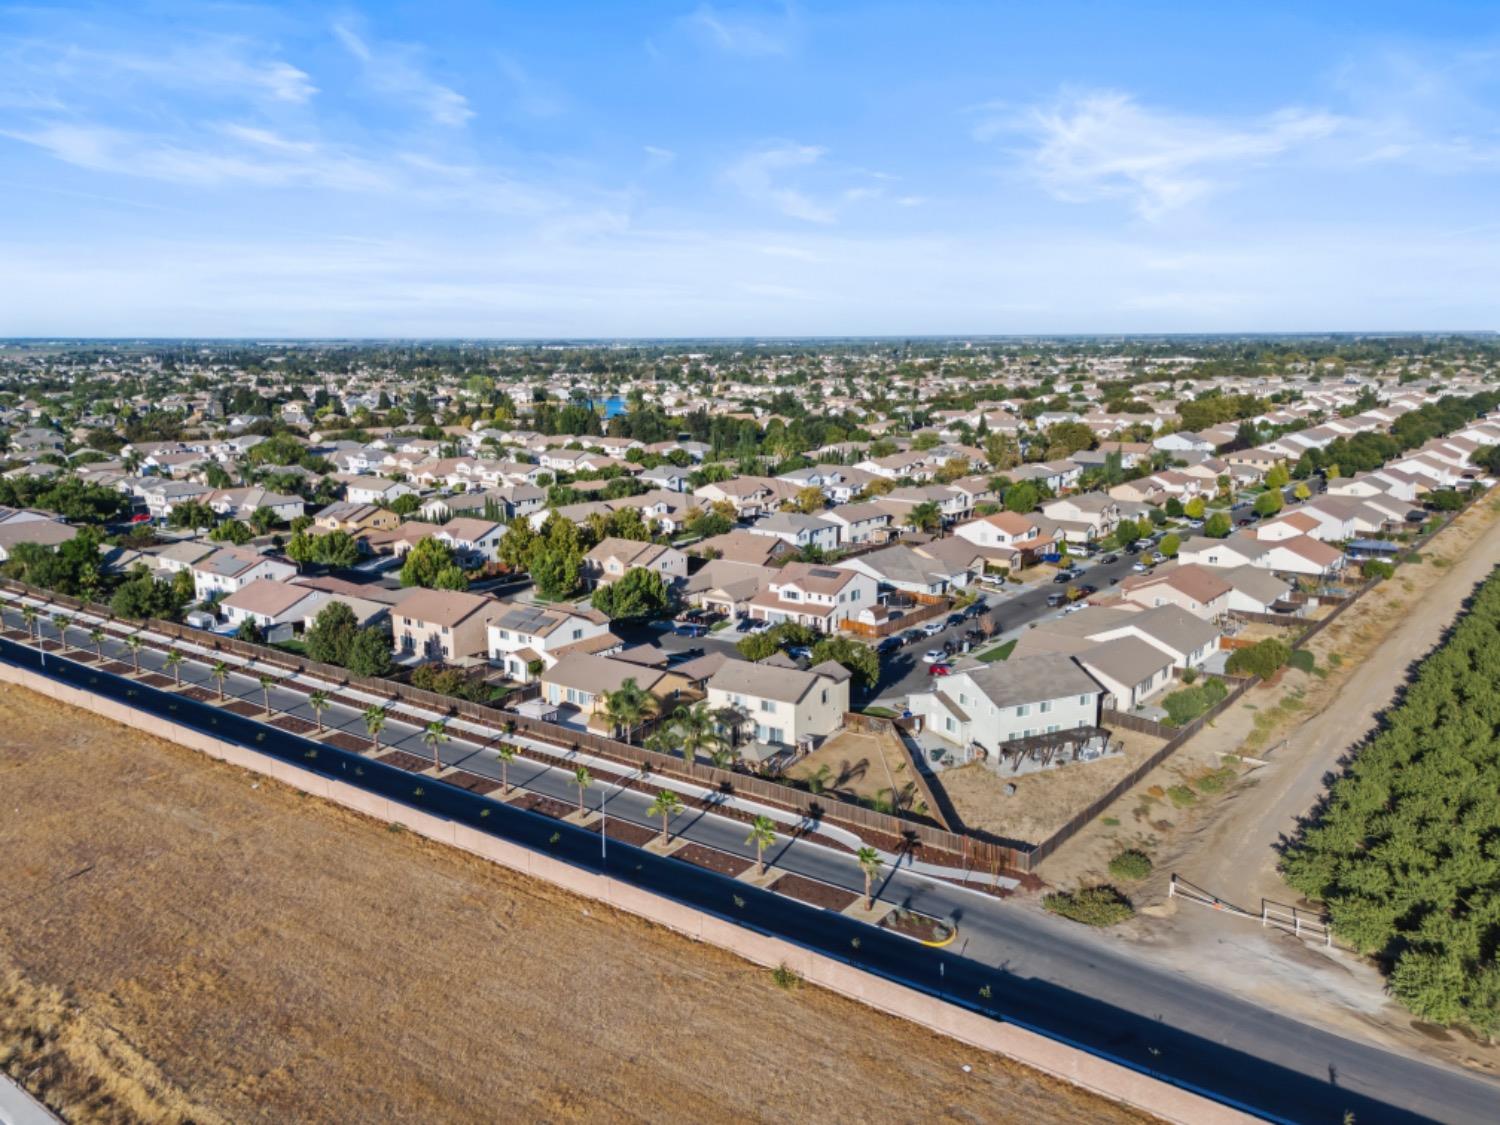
[
  {"x": 949, "y": 724},
  {"x": 1023, "y": 710},
  {"x": 1045, "y": 706},
  {"x": 504, "y": 634},
  {"x": 854, "y": 594},
  {"x": 578, "y": 634},
  {"x": 767, "y": 705},
  {"x": 963, "y": 700},
  {"x": 1083, "y": 701}
]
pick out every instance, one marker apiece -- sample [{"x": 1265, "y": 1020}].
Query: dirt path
[
  {"x": 182, "y": 941},
  {"x": 1236, "y": 858}
]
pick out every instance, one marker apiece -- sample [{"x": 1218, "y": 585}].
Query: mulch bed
[
  {"x": 246, "y": 708},
  {"x": 350, "y": 742},
  {"x": 404, "y": 761},
  {"x": 116, "y": 667},
  {"x": 201, "y": 694},
  {"x": 472, "y": 782},
  {"x": 156, "y": 680},
  {"x": 913, "y": 925},
  {"x": 626, "y": 832},
  {"x": 714, "y": 860},
  {"x": 294, "y": 724},
  {"x": 547, "y": 806},
  {"x": 814, "y": 893}
]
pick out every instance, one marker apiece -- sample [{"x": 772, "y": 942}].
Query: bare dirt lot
[
  {"x": 185, "y": 941},
  {"x": 1043, "y": 801}
]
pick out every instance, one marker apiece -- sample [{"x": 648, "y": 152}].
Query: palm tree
[
  {"x": 869, "y": 862},
  {"x": 762, "y": 835},
  {"x": 374, "y": 723},
  {"x": 28, "y": 615},
  {"x": 628, "y": 706},
  {"x": 60, "y": 622},
  {"x": 265, "y": 690},
  {"x": 583, "y": 779},
  {"x": 97, "y": 636},
  {"x": 435, "y": 735},
  {"x": 666, "y": 806},
  {"x": 174, "y": 662},
  {"x": 133, "y": 643},
  {"x": 318, "y": 700},
  {"x": 507, "y": 754},
  {"x": 696, "y": 729},
  {"x": 220, "y": 672},
  {"x": 926, "y": 516}
]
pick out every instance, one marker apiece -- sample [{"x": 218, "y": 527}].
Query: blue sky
[{"x": 568, "y": 169}]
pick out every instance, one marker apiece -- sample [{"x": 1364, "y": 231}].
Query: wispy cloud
[
  {"x": 1105, "y": 144},
  {"x": 744, "y": 32},
  {"x": 760, "y": 176},
  {"x": 392, "y": 69}
]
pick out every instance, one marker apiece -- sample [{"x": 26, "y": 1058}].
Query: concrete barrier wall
[{"x": 1069, "y": 1064}]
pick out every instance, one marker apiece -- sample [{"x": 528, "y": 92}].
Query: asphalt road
[{"x": 1048, "y": 973}]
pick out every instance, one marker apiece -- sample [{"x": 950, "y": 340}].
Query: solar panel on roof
[{"x": 823, "y": 572}]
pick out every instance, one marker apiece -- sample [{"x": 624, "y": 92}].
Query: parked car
[
  {"x": 1112, "y": 557},
  {"x": 1085, "y": 590},
  {"x": 1244, "y": 521},
  {"x": 932, "y": 628},
  {"x": 1062, "y": 577},
  {"x": 955, "y": 619},
  {"x": 1075, "y": 607},
  {"x": 888, "y": 645},
  {"x": 940, "y": 670},
  {"x": 799, "y": 652},
  {"x": 933, "y": 656},
  {"x": 1055, "y": 600},
  {"x": 690, "y": 629},
  {"x": 758, "y": 625},
  {"x": 975, "y": 608},
  {"x": 909, "y": 636},
  {"x": 747, "y": 625},
  {"x": 1416, "y": 515},
  {"x": 1140, "y": 567}
]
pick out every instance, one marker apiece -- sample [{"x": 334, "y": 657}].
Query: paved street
[{"x": 1049, "y": 973}]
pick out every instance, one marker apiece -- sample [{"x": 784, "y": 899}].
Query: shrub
[
  {"x": 1093, "y": 906},
  {"x": 1214, "y": 782},
  {"x": 1187, "y": 704},
  {"x": 1130, "y": 864},
  {"x": 1376, "y": 568},
  {"x": 786, "y": 978},
  {"x": 1263, "y": 659},
  {"x": 1189, "y": 675},
  {"x": 1303, "y": 661},
  {"x": 1181, "y": 796}
]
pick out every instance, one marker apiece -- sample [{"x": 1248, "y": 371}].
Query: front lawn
[{"x": 1000, "y": 652}]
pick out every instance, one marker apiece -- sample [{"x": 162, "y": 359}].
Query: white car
[
  {"x": 932, "y": 628},
  {"x": 1140, "y": 568},
  {"x": 934, "y": 656}
]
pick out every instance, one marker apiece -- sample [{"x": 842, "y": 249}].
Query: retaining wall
[{"x": 1069, "y": 1064}]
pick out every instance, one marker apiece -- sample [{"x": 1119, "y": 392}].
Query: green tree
[
  {"x": 374, "y": 723},
  {"x": 1022, "y": 498},
  {"x": 869, "y": 865},
  {"x": 1269, "y": 503},
  {"x": 555, "y": 570},
  {"x": 232, "y": 531},
  {"x": 369, "y": 652},
  {"x": 434, "y": 735},
  {"x": 762, "y": 835},
  {"x": 507, "y": 754},
  {"x": 1194, "y": 508},
  {"x": 1301, "y": 492},
  {"x": 337, "y": 550},
  {"x": 220, "y": 673},
  {"x": 860, "y": 659},
  {"x": 318, "y": 701},
  {"x": 926, "y": 517},
  {"x": 427, "y": 564},
  {"x": 1170, "y": 544},
  {"x": 97, "y": 636},
  {"x": 666, "y": 805},
  {"x": 628, "y": 706},
  {"x": 639, "y": 593},
  {"x": 331, "y": 634},
  {"x": 133, "y": 643},
  {"x": 583, "y": 779},
  {"x": 1217, "y": 526}
]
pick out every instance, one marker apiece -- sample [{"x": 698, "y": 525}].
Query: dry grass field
[{"x": 183, "y": 941}]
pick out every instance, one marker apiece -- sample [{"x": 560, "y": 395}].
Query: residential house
[
  {"x": 798, "y": 530},
  {"x": 526, "y": 640},
  {"x": 781, "y": 706},
  {"x": 985, "y": 706},
  {"x": 612, "y": 558},
  {"x": 233, "y": 568},
  {"x": 817, "y": 596},
  {"x": 442, "y": 625}
]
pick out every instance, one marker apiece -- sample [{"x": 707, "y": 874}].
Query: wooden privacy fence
[
  {"x": 1122, "y": 786},
  {"x": 891, "y": 832},
  {"x": 908, "y": 618}
]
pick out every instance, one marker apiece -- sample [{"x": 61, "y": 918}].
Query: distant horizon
[{"x": 273, "y": 339}]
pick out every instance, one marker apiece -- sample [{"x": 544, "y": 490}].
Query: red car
[{"x": 939, "y": 669}]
